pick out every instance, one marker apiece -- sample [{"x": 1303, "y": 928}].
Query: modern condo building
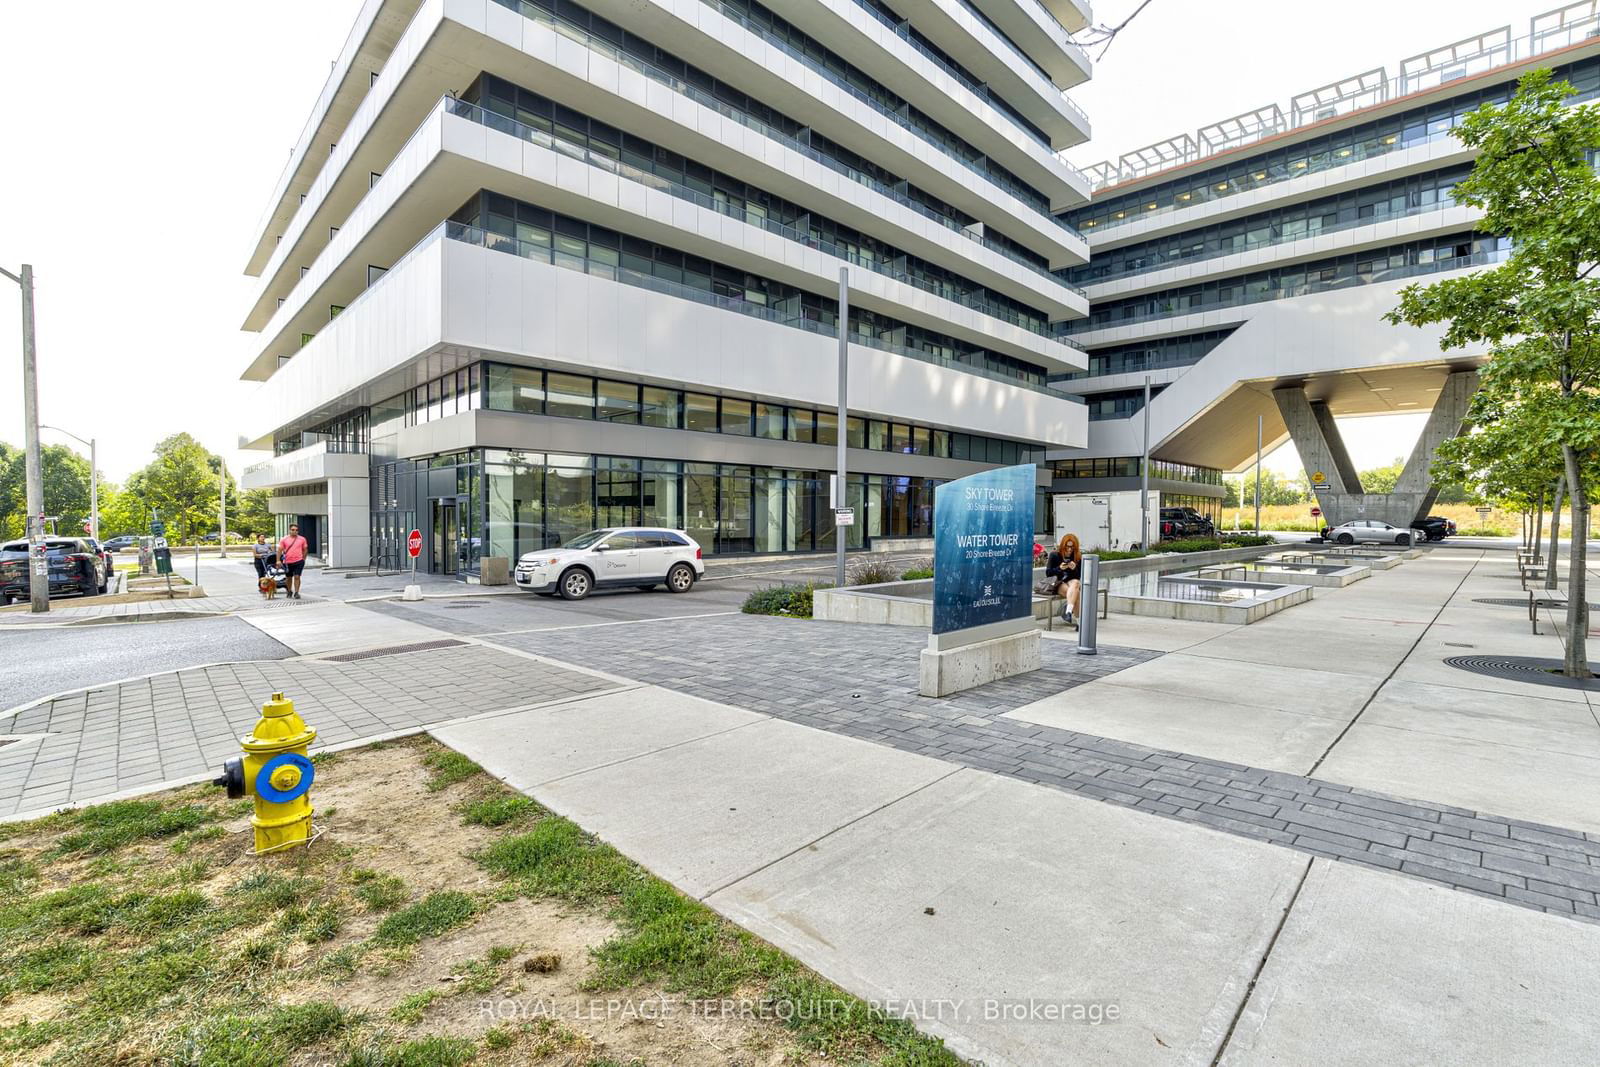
[
  {"x": 1244, "y": 269},
  {"x": 536, "y": 266}
]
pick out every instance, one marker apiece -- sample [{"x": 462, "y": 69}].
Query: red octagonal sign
[{"x": 414, "y": 543}]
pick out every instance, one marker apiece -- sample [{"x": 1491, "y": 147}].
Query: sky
[{"x": 142, "y": 141}]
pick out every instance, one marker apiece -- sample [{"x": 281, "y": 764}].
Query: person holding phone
[{"x": 1062, "y": 568}]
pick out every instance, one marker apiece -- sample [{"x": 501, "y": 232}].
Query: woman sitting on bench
[{"x": 1062, "y": 569}]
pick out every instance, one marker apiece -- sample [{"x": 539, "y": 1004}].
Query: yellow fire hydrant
[{"x": 277, "y": 772}]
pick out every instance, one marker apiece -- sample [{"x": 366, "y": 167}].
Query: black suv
[
  {"x": 1185, "y": 522},
  {"x": 75, "y": 567},
  {"x": 1437, "y": 527}
]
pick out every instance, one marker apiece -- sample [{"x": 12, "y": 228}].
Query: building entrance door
[{"x": 446, "y": 537}]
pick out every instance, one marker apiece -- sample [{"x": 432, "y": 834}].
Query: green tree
[
  {"x": 1539, "y": 312},
  {"x": 181, "y": 483},
  {"x": 1382, "y": 479},
  {"x": 251, "y": 515},
  {"x": 65, "y": 480}
]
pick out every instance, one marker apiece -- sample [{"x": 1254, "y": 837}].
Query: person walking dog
[
  {"x": 1062, "y": 569},
  {"x": 292, "y": 554},
  {"x": 262, "y": 557}
]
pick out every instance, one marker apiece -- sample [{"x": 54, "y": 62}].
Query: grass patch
[
  {"x": 267, "y": 1038},
  {"x": 378, "y": 892},
  {"x": 866, "y": 570},
  {"x": 916, "y": 574},
  {"x": 107, "y": 827},
  {"x": 794, "y": 601},
  {"x": 496, "y": 809},
  {"x": 409, "y": 1010},
  {"x": 448, "y": 768},
  {"x": 428, "y": 1052},
  {"x": 428, "y": 917},
  {"x": 557, "y": 859}
]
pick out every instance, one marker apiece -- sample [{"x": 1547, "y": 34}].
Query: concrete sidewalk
[{"x": 984, "y": 905}]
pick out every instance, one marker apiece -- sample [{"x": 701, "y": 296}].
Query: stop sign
[{"x": 414, "y": 543}]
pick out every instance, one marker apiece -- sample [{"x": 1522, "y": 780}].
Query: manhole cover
[{"x": 1523, "y": 669}]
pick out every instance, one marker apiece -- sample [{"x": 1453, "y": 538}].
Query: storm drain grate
[
  {"x": 461, "y": 605},
  {"x": 1522, "y": 669},
  {"x": 393, "y": 650}
]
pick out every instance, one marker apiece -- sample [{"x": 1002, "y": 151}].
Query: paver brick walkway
[
  {"x": 180, "y": 724},
  {"x": 862, "y": 681}
]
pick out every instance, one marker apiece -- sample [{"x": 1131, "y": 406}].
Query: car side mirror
[{"x": 599, "y": 548}]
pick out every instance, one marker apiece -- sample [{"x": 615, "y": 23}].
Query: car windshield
[{"x": 587, "y": 540}]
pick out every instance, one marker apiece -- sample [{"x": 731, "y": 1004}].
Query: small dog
[{"x": 268, "y": 586}]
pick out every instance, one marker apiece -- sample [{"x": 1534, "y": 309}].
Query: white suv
[{"x": 640, "y": 556}]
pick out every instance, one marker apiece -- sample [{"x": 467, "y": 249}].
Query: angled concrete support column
[
  {"x": 1317, "y": 439},
  {"x": 1446, "y": 420}
]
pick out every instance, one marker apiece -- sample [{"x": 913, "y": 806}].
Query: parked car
[
  {"x": 1437, "y": 527},
  {"x": 1185, "y": 522},
  {"x": 75, "y": 567},
  {"x": 105, "y": 557},
  {"x": 121, "y": 543},
  {"x": 639, "y": 556},
  {"x": 1371, "y": 531}
]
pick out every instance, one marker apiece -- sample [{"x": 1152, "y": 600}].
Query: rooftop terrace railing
[{"x": 1548, "y": 32}]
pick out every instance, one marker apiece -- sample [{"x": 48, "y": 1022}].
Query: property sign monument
[
  {"x": 982, "y": 581},
  {"x": 983, "y": 549}
]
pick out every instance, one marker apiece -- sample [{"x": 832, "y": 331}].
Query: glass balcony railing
[
  {"x": 737, "y": 210},
  {"x": 672, "y": 81},
  {"x": 1029, "y": 197},
  {"x": 1275, "y": 234},
  {"x": 544, "y": 253},
  {"x": 979, "y": 89},
  {"x": 1254, "y": 295}
]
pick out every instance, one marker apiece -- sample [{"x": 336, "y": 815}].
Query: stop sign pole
[{"x": 414, "y": 548}]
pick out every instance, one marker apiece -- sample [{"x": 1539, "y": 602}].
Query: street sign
[
  {"x": 1318, "y": 478},
  {"x": 414, "y": 543},
  {"x": 158, "y": 528},
  {"x": 844, "y": 516},
  {"x": 1316, "y": 513}
]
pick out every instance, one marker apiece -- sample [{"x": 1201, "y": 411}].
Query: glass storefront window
[
  {"x": 802, "y": 425},
  {"x": 827, "y": 427},
  {"x": 856, "y": 432},
  {"x": 568, "y": 497},
  {"x": 569, "y": 396},
  {"x": 700, "y": 412},
  {"x": 660, "y": 408},
  {"x": 518, "y": 389},
  {"x": 736, "y": 416},
  {"x": 878, "y": 436},
  {"x": 617, "y": 402},
  {"x": 769, "y": 421}
]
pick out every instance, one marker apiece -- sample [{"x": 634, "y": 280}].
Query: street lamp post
[
  {"x": 38, "y": 569},
  {"x": 94, "y": 480}
]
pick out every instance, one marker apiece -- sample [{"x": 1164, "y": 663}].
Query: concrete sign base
[{"x": 952, "y": 670}]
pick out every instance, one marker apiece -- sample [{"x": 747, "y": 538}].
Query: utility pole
[
  {"x": 841, "y": 484},
  {"x": 1260, "y": 420},
  {"x": 222, "y": 504},
  {"x": 94, "y": 480},
  {"x": 1144, "y": 475},
  {"x": 38, "y": 567}
]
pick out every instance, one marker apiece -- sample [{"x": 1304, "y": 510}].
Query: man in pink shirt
[{"x": 292, "y": 554}]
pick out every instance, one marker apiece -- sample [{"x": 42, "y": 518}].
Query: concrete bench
[{"x": 1057, "y": 604}]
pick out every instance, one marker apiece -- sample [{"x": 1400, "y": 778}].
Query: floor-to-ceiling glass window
[
  {"x": 735, "y": 520},
  {"x": 616, "y": 489},
  {"x": 700, "y": 503},
  {"x": 660, "y": 494},
  {"x": 770, "y": 511},
  {"x": 514, "y": 483},
  {"x": 568, "y": 496}
]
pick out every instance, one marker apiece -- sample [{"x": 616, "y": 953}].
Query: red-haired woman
[{"x": 1063, "y": 568}]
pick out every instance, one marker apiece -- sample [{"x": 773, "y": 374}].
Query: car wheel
[
  {"x": 1346, "y": 539},
  {"x": 680, "y": 579},
  {"x": 1403, "y": 539},
  {"x": 91, "y": 589},
  {"x": 575, "y": 584}
]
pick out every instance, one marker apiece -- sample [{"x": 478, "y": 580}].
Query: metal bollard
[{"x": 1088, "y": 606}]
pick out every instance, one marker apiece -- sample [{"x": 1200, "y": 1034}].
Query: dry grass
[{"x": 440, "y": 920}]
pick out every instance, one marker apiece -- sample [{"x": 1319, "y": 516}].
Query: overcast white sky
[{"x": 142, "y": 140}]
